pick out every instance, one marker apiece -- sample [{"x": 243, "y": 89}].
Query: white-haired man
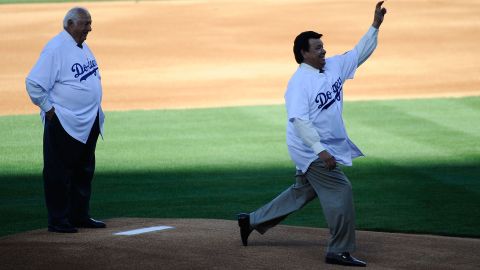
[{"x": 65, "y": 84}]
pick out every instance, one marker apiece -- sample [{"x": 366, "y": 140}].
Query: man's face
[
  {"x": 315, "y": 56},
  {"x": 79, "y": 29}
]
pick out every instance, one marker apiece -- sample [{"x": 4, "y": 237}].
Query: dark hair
[{"x": 301, "y": 43}]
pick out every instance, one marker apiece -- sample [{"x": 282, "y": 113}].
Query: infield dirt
[
  {"x": 215, "y": 244},
  {"x": 181, "y": 54}
]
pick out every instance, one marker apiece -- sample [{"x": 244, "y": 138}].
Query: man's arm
[
  {"x": 39, "y": 97},
  {"x": 368, "y": 43},
  {"x": 309, "y": 136}
]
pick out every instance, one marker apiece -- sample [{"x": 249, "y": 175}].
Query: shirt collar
[
  {"x": 306, "y": 66},
  {"x": 68, "y": 37}
]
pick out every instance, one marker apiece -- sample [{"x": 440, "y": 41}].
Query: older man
[
  {"x": 65, "y": 83},
  {"x": 317, "y": 142}
]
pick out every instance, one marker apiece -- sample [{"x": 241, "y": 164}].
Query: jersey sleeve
[
  {"x": 308, "y": 134},
  {"x": 367, "y": 45},
  {"x": 46, "y": 70},
  {"x": 347, "y": 64},
  {"x": 38, "y": 95},
  {"x": 296, "y": 101}
]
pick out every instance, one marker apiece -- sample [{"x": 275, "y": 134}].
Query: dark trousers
[{"x": 67, "y": 172}]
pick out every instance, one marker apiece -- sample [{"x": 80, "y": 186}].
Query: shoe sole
[{"x": 335, "y": 261}]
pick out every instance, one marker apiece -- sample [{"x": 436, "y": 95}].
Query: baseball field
[{"x": 195, "y": 133}]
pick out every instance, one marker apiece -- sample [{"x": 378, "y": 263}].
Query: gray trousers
[{"x": 335, "y": 194}]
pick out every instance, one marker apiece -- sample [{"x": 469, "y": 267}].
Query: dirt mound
[{"x": 215, "y": 244}]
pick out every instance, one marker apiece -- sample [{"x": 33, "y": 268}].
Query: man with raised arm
[{"x": 318, "y": 142}]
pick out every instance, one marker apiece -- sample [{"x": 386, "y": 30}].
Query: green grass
[{"x": 421, "y": 173}]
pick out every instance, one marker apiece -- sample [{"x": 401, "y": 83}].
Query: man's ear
[
  {"x": 303, "y": 53},
  {"x": 70, "y": 23}
]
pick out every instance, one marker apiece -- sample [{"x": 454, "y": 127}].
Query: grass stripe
[{"x": 421, "y": 173}]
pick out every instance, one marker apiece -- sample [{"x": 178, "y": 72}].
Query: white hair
[{"x": 73, "y": 14}]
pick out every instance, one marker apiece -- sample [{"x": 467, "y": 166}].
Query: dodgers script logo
[
  {"x": 86, "y": 70},
  {"x": 325, "y": 100}
]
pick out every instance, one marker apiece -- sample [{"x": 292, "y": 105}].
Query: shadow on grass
[{"x": 435, "y": 199}]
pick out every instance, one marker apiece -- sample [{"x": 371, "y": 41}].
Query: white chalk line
[{"x": 144, "y": 230}]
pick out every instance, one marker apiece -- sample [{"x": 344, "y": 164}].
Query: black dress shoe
[
  {"x": 89, "y": 223},
  {"x": 343, "y": 258},
  {"x": 245, "y": 228},
  {"x": 62, "y": 228}
]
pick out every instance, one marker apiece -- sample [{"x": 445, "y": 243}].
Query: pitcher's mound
[{"x": 215, "y": 244}]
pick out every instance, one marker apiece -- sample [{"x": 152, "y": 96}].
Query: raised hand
[{"x": 379, "y": 14}]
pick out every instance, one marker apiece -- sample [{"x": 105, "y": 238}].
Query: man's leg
[
  {"x": 289, "y": 201},
  {"x": 81, "y": 187},
  {"x": 57, "y": 172},
  {"x": 335, "y": 194}
]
